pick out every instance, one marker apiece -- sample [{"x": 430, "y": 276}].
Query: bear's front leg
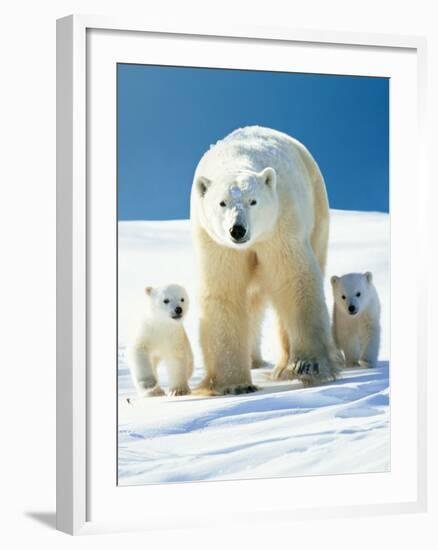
[
  {"x": 314, "y": 358},
  {"x": 224, "y": 325},
  {"x": 300, "y": 304},
  {"x": 225, "y": 345},
  {"x": 143, "y": 372},
  {"x": 177, "y": 372},
  {"x": 350, "y": 347}
]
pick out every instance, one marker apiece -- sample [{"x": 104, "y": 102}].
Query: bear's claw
[
  {"x": 237, "y": 390},
  {"x": 308, "y": 372},
  {"x": 306, "y": 368},
  {"x": 311, "y": 372}
]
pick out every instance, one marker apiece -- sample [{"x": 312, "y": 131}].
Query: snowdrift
[{"x": 283, "y": 430}]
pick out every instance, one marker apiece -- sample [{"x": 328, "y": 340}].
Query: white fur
[
  {"x": 236, "y": 190},
  {"x": 160, "y": 337},
  {"x": 267, "y": 185},
  {"x": 356, "y": 332}
]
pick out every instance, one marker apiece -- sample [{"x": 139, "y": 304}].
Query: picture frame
[{"x": 80, "y": 422}]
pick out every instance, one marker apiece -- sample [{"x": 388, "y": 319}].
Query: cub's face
[
  {"x": 168, "y": 302},
  {"x": 351, "y": 292},
  {"x": 237, "y": 210}
]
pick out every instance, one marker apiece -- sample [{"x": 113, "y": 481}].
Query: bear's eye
[
  {"x": 343, "y": 297},
  {"x": 223, "y": 204},
  {"x": 182, "y": 299},
  {"x": 253, "y": 202},
  {"x": 166, "y": 301},
  {"x": 357, "y": 294}
]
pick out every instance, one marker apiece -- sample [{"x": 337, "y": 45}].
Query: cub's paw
[
  {"x": 238, "y": 389},
  {"x": 178, "y": 391},
  {"x": 156, "y": 391}
]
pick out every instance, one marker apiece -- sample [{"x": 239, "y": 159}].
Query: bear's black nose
[
  {"x": 351, "y": 309},
  {"x": 178, "y": 310},
  {"x": 237, "y": 232}
]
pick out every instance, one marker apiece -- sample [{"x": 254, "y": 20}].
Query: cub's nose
[
  {"x": 178, "y": 310},
  {"x": 237, "y": 232},
  {"x": 351, "y": 309}
]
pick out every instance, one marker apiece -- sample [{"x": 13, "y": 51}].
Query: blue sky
[{"x": 169, "y": 116}]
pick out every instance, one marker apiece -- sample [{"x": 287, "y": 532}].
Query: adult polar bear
[{"x": 260, "y": 218}]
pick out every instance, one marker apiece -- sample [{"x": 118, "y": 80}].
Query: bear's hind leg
[
  {"x": 177, "y": 371},
  {"x": 283, "y": 359},
  {"x": 256, "y": 308}
]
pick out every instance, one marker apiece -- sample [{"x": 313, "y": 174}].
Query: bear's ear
[
  {"x": 148, "y": 290},
  {"x": 202, "y": 184},
  {"x": 269, "y": 177},
  {"x": 369, "y": 276},
  {"x": 334, "y": 279}
]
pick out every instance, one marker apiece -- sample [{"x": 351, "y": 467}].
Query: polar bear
[
  {"x": 356, "y": 318},
  {"x": 160, "y": 336},
  {"x": 260, "y": 220}
]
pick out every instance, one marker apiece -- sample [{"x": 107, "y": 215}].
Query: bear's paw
[
  {"x": 238, "y": 389},
  {"x": 312, "y": 372},
  {"x": 308, "y": 372},
  {"x": 210, "y": 387}
]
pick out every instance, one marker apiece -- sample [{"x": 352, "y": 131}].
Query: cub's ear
[
  {"x": 334, "y": 279},
  {"x": 202, "y": 185},
  {"x": 148, "y": 290},
  {"x": 269, "y": 177},
  {"x": 369, "y": 276}
]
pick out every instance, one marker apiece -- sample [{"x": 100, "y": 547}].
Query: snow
[{"x": 282, "y": 430}]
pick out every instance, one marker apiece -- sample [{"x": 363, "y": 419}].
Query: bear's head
[
  {"x": 352, "y": 292},
  {"x": 237, "y": 209},
  {"x": 169, "y": 302}
]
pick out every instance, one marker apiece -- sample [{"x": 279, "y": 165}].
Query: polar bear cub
[
  {"x": 356, "y": 318},
  {"x": 160, "y": 337}
]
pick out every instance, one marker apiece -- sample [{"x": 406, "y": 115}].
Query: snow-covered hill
[{"x": 284, "y": 429}]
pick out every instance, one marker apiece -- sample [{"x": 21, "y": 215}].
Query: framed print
[{"x": 235, "y": 208}]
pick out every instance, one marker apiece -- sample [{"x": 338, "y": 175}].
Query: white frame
[{"x": 72, "y": 258}]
